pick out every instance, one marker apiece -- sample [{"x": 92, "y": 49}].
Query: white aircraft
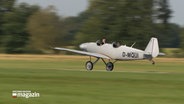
[{"x": 115, "y": 52}]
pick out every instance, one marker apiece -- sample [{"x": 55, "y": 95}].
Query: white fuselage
[{"x": 122, "y": 52}]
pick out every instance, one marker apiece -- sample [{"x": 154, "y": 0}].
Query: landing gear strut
[
  {"x": 109, "y": 65},
  {"x": 153, "y": 62},
  {"x": 89, "y": 64}
]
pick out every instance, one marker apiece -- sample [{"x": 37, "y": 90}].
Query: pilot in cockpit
[{"x": 103, "y": 40}]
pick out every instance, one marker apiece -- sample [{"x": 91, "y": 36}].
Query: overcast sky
[
  {"x": 73, "y": 7},
  {"x": 63, "y": 7},
  {"x": 178, "y": 14}
]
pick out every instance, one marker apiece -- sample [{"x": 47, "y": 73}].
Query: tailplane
[{"x": 152, "y": 48}]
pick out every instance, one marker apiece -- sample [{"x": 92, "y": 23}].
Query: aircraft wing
[{"x": 83, "y": 52}]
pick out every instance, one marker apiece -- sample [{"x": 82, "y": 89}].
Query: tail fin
[{"x": 152, "y": 48}]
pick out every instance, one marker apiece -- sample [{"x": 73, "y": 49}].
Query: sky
[
  {"x": 63, "y": 7},
  {"x": 177, "y": 7},
  {"x": 74, "y": 7}
]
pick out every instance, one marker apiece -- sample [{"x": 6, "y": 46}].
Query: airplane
[{"x": 116, "y": 52}]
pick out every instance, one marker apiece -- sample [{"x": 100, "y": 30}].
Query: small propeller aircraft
[{"x": 116, "y": 52}]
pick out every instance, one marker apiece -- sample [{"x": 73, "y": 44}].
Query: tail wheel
[
  {"x": 109, "y": 66},
  {"x": 89, "y": 65}
]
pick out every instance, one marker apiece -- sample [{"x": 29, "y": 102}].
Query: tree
[
  {"x": 182, "y": 39},
  {"x": 15, "y": 35},
  {"x": 44, "y": 29},
  {"x": 168, "y": 37},
  {"x": 5, "y": 7},
  {"x": 125, "y": 20},
  {"x": 137, "y": 24},
  {"x": 167, "y": 33},
  {"x": 163, "y": 11},
  {"x": 72, "y": 26}
]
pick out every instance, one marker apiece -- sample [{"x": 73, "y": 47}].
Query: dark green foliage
[
  {"x": 182, "y": 38},
  {"x": 5, "y": 7},
  {"x": 15, "y": 35},
  {"x": 166, "y": 32},
  {"x": 72, "y": 26},
  {"x": 130, "y": 21},
  {"x": 26, "y": 28},
  {"x": 45, "y": 29},
  {"x": 168, "y": 37},
  {"x": 163, "y": 11},
  {"x": 122, "y": 20}
]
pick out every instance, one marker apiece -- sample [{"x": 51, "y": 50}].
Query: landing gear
[
  {"x": 109, "y": 66},
  {"x": 153, "y": 62},
  {"x": 89, "y": 65}
]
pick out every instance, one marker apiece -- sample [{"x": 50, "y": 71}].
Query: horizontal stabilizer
[{"x": 161, "y": 54}]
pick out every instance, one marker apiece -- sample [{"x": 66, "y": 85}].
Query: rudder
[{"x": 152, "y": 48}]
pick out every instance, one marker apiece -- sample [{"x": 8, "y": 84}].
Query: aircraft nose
[{"x": 83, "y": 46}]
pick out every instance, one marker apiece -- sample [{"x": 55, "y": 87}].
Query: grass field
[{"x": 64, "y": 80}]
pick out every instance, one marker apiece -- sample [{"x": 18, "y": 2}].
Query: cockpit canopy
[
  {"x": 116, "y": 44},
  {"x": 99, "y": 42}
]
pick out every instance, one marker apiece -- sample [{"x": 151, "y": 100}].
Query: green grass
[{"x": 67, "y": 82}]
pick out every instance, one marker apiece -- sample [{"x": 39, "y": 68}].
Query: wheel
[
  {"x": 153, "y": 62},
  {"x": 89, "y": 65},
  {"x": 109, "y": 66}
]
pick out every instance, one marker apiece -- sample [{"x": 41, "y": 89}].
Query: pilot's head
[{"x": 103, "y": 39}]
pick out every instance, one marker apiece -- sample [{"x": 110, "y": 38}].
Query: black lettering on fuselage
[
  {"x": 130, "y": 54},
  {"x": 123, "y": 54}
]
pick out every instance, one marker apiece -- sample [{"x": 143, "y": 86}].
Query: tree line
[{"x": 31, "y": 29}]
